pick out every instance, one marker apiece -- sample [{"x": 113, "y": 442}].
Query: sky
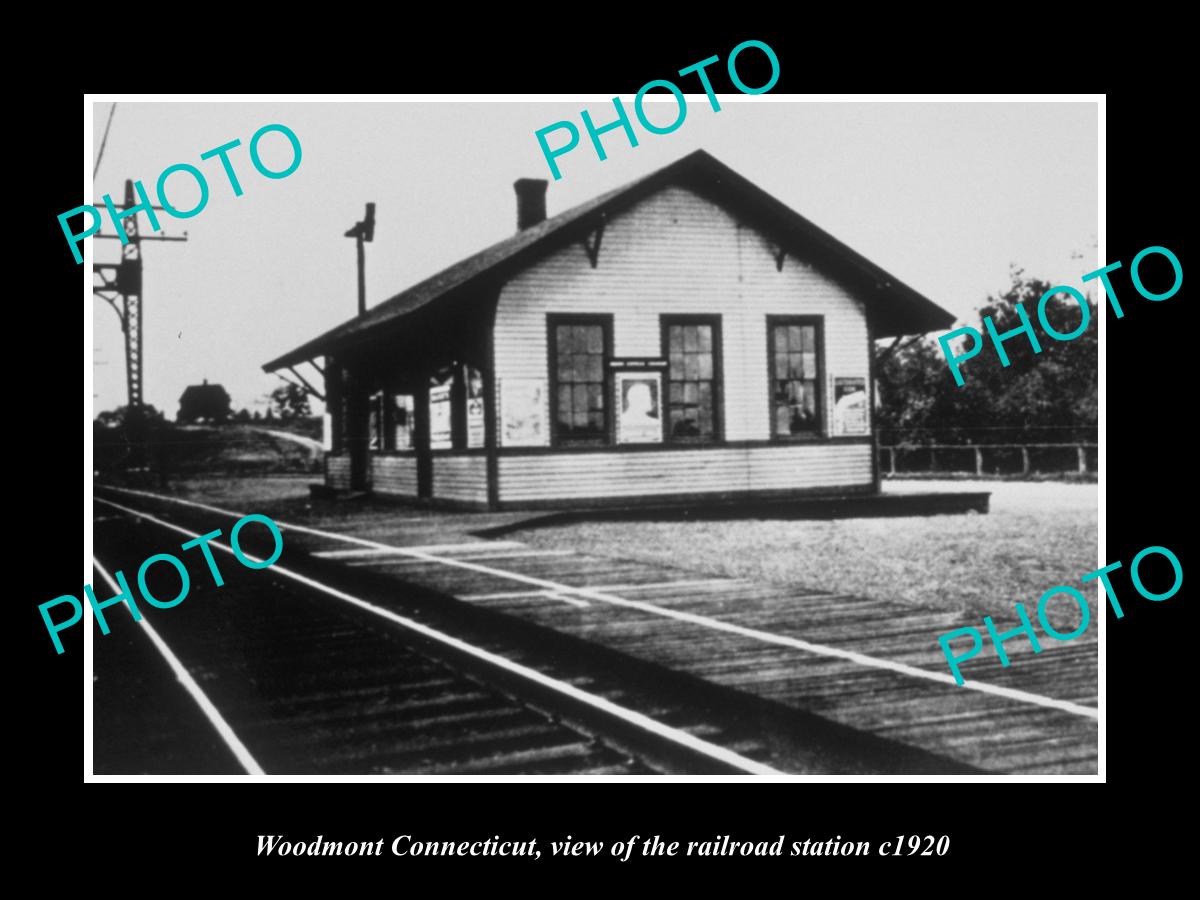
[{"x": 944, "y": 196}]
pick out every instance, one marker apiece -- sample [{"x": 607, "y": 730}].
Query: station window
[
  {"x": 794, "y": 350},
  {"x": 692, "y": 346},
  {"x": 579, "y": 347}
]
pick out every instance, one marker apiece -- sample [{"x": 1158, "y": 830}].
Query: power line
[{"x": 104, "y": 140}]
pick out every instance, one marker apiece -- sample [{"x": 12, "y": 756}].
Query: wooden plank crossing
[{"x": 993, "y": 732}]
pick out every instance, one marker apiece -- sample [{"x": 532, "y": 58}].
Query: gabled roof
[{"x": 893, "y": 308}]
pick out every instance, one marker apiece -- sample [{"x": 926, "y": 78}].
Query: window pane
[
  {"x": 564, "y": 406},
  {"x": 706, "y": 366},
  {"x": 704, "y": 333},
  {"x": 781, "y": 340},
  {"x": 690, "y": 342},
  {"x": 705, "y": 409},
  {"x": 580, "y": 399},
  {"x": 808, "y": 338},
  {"x": 691, "y": 393},
  {"x": 674, "y": 339},
  {"x": 810, "y": 365},
  {"x": 794, "y": 338},
  {"x": 595, "y": 398},
  {"x": 676, "y": 392},
  {"x": 595, "y": 368},
  {"x": 810, "y": 399},
  {"x": 684, "y": 424},
  {"x": 563, "y": 337},
  {"x": 691, "y": 366},
  {"x": 594, "y": 339},
  {"x": 783, "y": 419},
  {"x": 781, "y": 365}
]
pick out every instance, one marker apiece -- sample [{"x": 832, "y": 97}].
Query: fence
[
  {"x": 989, "y": 450},
  {"x": 988, "y": 459}
]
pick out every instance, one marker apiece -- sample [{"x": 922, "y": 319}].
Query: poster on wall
[
  {"x": 476, "y": 433},
  {"x": 850, "y": 414},
  {"x": 439, "y": 417},
  {"x": 639, "y": 407},
  {"x": 402, "y": 421},
  {"x": 523, "y": 412}
]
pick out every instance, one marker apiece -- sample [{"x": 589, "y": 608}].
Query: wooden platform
[{"x": 678, "y": 619}]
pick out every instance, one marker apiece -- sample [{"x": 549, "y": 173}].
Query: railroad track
[{"x": 288, "y": 675}]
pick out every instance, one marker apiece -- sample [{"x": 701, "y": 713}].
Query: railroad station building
[{"x": 686, "y": 337}]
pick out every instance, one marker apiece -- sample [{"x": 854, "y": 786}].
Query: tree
[
  {"x": 290, "y": 401},
  {"x": 112, "y": 418},
  {"x": 1054, "y": 388}
]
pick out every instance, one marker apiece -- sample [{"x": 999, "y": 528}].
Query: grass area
[
  {"x": 190, "y": 450},
  {"x": 1036, "y": 536}
]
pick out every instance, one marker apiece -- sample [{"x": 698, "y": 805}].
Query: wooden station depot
[{"x": 684, "y": 337}]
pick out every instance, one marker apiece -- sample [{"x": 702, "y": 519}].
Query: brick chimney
[{"x": 531, "y": 201}]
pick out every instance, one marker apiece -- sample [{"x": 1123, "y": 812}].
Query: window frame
[
  {"x": 818, "y": 432},
  {"x": 718, "y": 380},
  {"x": 605, "y": 321}
]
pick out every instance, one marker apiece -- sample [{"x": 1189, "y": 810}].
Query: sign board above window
[{"x": 637, "y": 363}]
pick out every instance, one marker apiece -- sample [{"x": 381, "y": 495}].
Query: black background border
[{"x": 993, "y": 826}]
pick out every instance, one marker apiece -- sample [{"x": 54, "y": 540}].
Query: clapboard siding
[
  {"x": 337, "y": 472},
  {"x": 394, "y": 475},
  {"x": 549, "y": 476},
  {"x": 462, "y": 478},
  {"x": 677, "y": 253}
]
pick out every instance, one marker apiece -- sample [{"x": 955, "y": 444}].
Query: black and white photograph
[{"x": 425, "y": 445}]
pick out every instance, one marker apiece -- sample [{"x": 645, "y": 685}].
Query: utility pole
[
  {"x": 122, "y": 290},
  {"x": 363, "y": 231}
]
